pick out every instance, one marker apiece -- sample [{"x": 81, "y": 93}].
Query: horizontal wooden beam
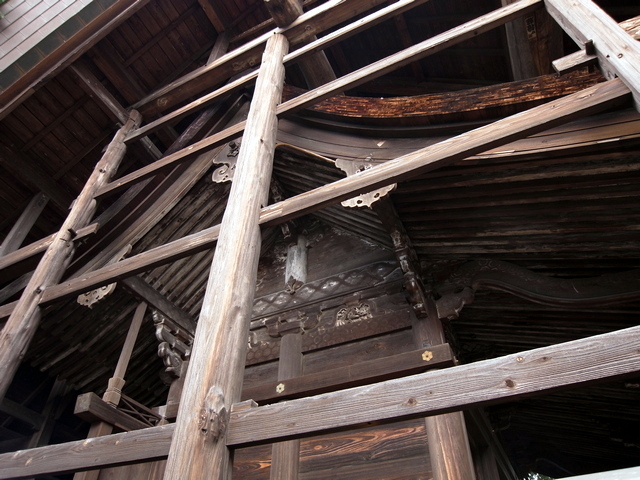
[
  {"x": 447, "y": 152},
  {"x": 40, "y": 246},
  {"x": 618, "y": 52},
  {"x": 68, "y": 52},
  {"x": 91, "y": 453},
  {"x": 501, "y": 379},
  {"x": 142, "y": 262},
  {"x": 315, "y": 21},
  {"x": 532, "y": 121},
  {"x": 358, "y": 374},
  {"x": 91, "y": 408},
  {"x": 525, "y": 374},
  {"x": 319, "y": 44},
  {"x": 365, "y": 74}
]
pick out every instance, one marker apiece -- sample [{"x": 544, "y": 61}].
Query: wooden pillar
[
  {"x": 285, "y": 456},
  {"x": 316, "y": 69},
  {"x": 23, "y": 322},
  {"x": 449, "y": 449},
  {"x": 534, "y": 41},
  {"x": 214, "y": 379},
  {"x": 116, "y": 382}
]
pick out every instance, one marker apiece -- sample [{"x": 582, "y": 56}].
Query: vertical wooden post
[
  {"x": 23, "y": 322},
  {"x": 214, "y": 378},
  {"x": 285, "y": 456},
  {"x": 116, "y": 382},
  {"x": 449, "y": 449}
]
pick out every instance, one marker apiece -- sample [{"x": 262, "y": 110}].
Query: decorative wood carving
[
  {"x": 406, "y": 255},
  {"x": 88, "y": 299},
  {"x": 227, "y": 157},
  {"x": 330, "y": 287},
  {"x": 174, "y": 348},
  {"x": 296, "y": 269},
  {"x": 459, "y": 288},
  {"x": 354, "y": 168},
  {"x": 353, "y": 314}
]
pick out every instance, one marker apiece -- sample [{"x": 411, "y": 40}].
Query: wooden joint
[
  {"x": 114, "y": 391},
  {"x": 214, "y": 418},
  {"x": 278, "y": 327},
  {"x": 450, "y": 304}
]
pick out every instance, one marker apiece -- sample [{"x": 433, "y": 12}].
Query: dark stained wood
[
  {"x": 158, "y": 301},
  {"x": 359, "y": 373},
  {"x": 212, "y": 13},
  {"x": 91, "y": 408},
  {"x": 315, "y": 21},
  {"x": 292, "y": 57},
  {"x": 22, "y": 324},
  {"x": 444, "y": 153},
  {"x": 533, "y": 42},
  {"x": 284, "y": 12},
  {"x": 68, "y": 53},
  {"x": 502, "y": 379},
  {"x": 285, "y": 456},
  {"x": 40, "y": 246},
  {"x": 376, "y": 69},
  {"x": 498, "y": 100},
  {"x": 449, "y": 448},
  {"x": 223, "y": 327},
  {"x": 94, "y": 88},
  {"x": 25, "y": 169},
  {"x": 21, "y": 228}
]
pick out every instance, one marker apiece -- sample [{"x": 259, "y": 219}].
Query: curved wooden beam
[
  {"x": 463, "y": 105},
  {"x": 459, "y": 288}
]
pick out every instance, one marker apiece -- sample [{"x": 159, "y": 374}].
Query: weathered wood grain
[
  {"x": 21, "y": 228},
  {"x": 285, "y": 456},
  {"x": 118, "y": 449},
  {"x": 23, "y": 322},
  {"x": 506, "y": 378},
  {"x": 532, "y": 121},
  {"x": 91, "y": 408},
  {"x": 618, "y": 52},
  {"x": 315, "y": 21},
  {"x": 158, "y": 301},
  {"x": 538, "y": 119},
  {"x": 214, "y": 378},
  {"x": 365, "y": 74},
  {"x": 502, "y": 379},
  {"x": 327, "y": 40}
]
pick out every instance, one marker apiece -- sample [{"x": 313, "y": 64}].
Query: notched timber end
[{"x": 214, "y": 417}]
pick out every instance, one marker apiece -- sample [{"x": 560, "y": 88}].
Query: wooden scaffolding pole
[
  {"x": 116, "y": 382},
  {"x": 214, "y": 379},
  {"x": 23, "y": 322}
]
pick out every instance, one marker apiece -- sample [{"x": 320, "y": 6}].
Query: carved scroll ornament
[
  {"x": 460, "y": 287},
  {"x": 354, "y": 167},
  {"x": 174, "y": 347}
]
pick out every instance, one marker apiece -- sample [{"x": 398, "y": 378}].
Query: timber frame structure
[{"x": 325, "y": 279}]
